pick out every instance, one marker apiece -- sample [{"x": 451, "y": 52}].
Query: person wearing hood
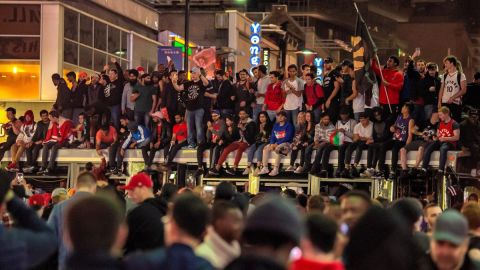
[
  {"x": 380, "y": 136},
  {"x": 246, "y": 128},
  {"x": 127, "y": 104},
  {"x": 24, "y": 140},
  {"x": 144, "y": 221},
  {"x": 161, "y": 135},
  {"x": 390, "y": 87},
  {"x": 139, "y": 138}
]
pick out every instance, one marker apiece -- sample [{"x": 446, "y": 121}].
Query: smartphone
[{"x": 344, "y": 229}]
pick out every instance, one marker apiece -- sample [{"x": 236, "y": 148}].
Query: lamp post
[{"x": 187, "y": 33}]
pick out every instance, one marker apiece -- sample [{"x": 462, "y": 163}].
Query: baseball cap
[
  {"x": 37, "y": 200},
  {"x": 59, "y": 192},
  {"x": 82, "y": 74},
  {"x": 140, "y": 69},
  {"x": 451, "y": 226},
  {"x": 139, "y": 180},
  {"x": 195, "y": 70},
  {"x": 158, "y": 114},
  {"x": 217, "y": 112}
]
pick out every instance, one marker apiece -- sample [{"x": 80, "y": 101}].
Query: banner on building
[
  {"x": 205, "y": 58},
  {"x": 168, "y": 55}
]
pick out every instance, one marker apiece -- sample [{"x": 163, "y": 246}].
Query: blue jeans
[
  {"x": 256, "y": 110},
  {"x": 444, "y": 147},
  {"x": 316, "y": 113},
  {"x": 428, "y": 111},
  {"x": 142, "y": 118},
  {"x": 255, "y": 151},
  {"x": 195, "y": 126},
  {"x": 272, "y": 115},
  {"x": 292, "y": 116},
  {"x": 115, "y": 112}
]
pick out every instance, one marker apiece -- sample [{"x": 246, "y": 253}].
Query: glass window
[
  {"x": 70, "y": 25},
  {"x": 19, "y": 80},
  {"x": 99, "y": 60},
  {"x": 86, "y": 30},
  {"x": 113, "y": 40},
  {"x": 19, "y": 48},
  {"x": 124, "y": 47},
  {"x": 20, "y": 19},
  {"x": 100, "y": 32},
  {"x": 70, "y": 52},
  {"x": 85, "y": 57}
]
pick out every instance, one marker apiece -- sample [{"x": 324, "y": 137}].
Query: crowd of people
[{"x": 92, "y": 227}]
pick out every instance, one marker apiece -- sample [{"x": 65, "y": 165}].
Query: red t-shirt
[
  {"x": 305, "y": 264},
  {"x": 180, "y": 131},
  {"x": 313, "y": 95},
  {"x": 274, "y": 97},
  {"x": 110, "y": 138}
]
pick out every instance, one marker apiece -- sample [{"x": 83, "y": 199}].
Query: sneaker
[
  {"x": 299, "y": 170},
  {"x": 191, "y": 146},
  {"x": 231, "y": 171},
  {"x": 354, "y": 172},
  {"x": 12, "y": 167},
  {"x": 28, "y": 169},
  {"x": 246, "y": 171},
  {"x": 264, "y": 170},
  {"x": 41, "y": 171},
  {"x": 274, "y": 172},
  {"x": 290, "y": 169},
  {"x": 413, "y": 172},
  {"x": 367, "y": 173},
  {"x": 214, "y": 172}
]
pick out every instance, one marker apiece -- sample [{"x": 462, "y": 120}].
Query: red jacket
[
  {"x": 395, "y": 80},
  {"x": 274, "y": 97},
  {"x": 305, "y": 264},
  {"x": 65, "y": 131},
  {"x": 180, "y": 131},
  {"x": 52, "y": 133}
]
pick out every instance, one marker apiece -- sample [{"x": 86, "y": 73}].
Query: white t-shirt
[
  {"x": 348, "y": 127},
  {"x": 363, "y": 131},
  {"x": 358, "y": 103},
  {"x": 452, "y": 87},
  {"x": 292, "y": 102},
  {"x": 262, "y": 85}
]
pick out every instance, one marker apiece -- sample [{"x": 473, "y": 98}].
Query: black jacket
[
  {"x": 145, "y": 226},
  {"x": 249, "y": 132},
  {"x": 112, "y": 93},
  {"x": 165, "y": 136},
  {"x": 243, "y": 94},
  {"x": 225, "y": 94},
  {"x": 79, "y": 95},
  {"x": 93, "y": 260},
  {"x": 64, "y": 96},
  {"x": 230, "y": 137},
  {"x": 40, "y": 131},
  {"x": 384, "y": 136},
  {"x": 263, "y": 137},
  {"x": 430, "y": 98},
  {"x": 414, "y": 81}
]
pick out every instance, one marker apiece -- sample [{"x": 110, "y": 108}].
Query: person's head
[
  {"x": 393, "y": 62},
  {"x": 281, "y": 117},
  {"x": 59, "y": 195},
  {"x": 315, "y": 204},
  {"x": 321, "y": 235},
  {"x": 363, "y": 119},
  {"x": 471, "y": 211},
  {"x": 406, "y": 109},
  {"x": 156, "y": 77},
  {"x": 82, "y": 76},
  {"x": 431, "y": 213},
  {"x": 220, "y": 75},
  {"x": 225, "y": 191},
  {"x": 186, "y": 221},
  {"x": 172, "y": 74},
  {"x": 37, "y": 202},
  {"x": 71, "y": 76},
  {"x": 325, "y": 119},
  {"x": 444, "y": 113},
  {"x": 53, "y": 116},
  {"x": 182, "y": 75},
  {"x": 178, "y": 118},
  {"x": 227, "y": 220},
  {"x": 229, "y": 121},
  {"x": 133, "y": 76},
  {"x": 168, "y": 191},
  {"x": 56, "y": 78},
  {"x": 124, "y": 121},
  {"x": 29, "y": 117},
  {"x": 410, "y": 210},
  {"x": 242, "y": 114},
  {"x": 195, "y": 74},
  {"x": 132, "y": 126},
  {"x": 309, "y": 117},
  {"x": 157, "y": 116},
  {"x": 86, "y": 182},
  {"x": 262, "y": 70},
  {"x": 354, "y": 205},
  {"x": 94, "y": 78},
  {"x": 243, "y": 75},
  {"x": 255, "y": 72},
  {"x": 11, "y": 113},
  {"x": 44, "y": 115},
  {"x": 106, "y": 235},
  {"x": 473, "y": 198},
  {"x": 450, "y": 62},
  {"x": 347, "y": 66},
  {"x": 309, "y": 79},
  {"x": 274, "y": 76},
  {"x": 432, "y": 69},
  {"x": 301, "y": 118},
  {"x": 449, "y": 242},
  {"x": 328, "y": 63},
  {"x": 263, "y": 117},
  {"x": 81, "y": 118},
  {"x": 105, "y": 128},
  {"x": 146, "y": 79},
  {"x": 289, "y": 193},
  {"x": 272, "y": 229},
  {"x": 292, "y": 71},
  {"x": 139, "y": 188},
  {"x": 215, "y": 115},
  {"x": 305, "y": 69},
  {"x": 378, "y": 114},
  {"x": 104, "y": 80},
  {"x": 113, "y": 74},
  {"x": 345, "y": 113},
  {"x": 421, "y": 65}
]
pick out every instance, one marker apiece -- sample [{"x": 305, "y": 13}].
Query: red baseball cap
[
  {"x": 139, "y": 180},
  {"x": 37, "y": 200},
  {"x": 140, "y": 69}
]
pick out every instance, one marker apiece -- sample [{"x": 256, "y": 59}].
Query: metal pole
[{"x": 187, "y": 33}]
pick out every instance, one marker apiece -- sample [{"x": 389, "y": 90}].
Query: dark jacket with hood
[
  {"x": 145, "y": 226},
  {"x": 64, "y": 96},
  {"x": 381, "y": 132},
  {"x": 165, "y": 133},
  {"x": 247, "y": 131}
]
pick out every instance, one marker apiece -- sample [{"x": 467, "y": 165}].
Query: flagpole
[{"x": 376, "y": 55}]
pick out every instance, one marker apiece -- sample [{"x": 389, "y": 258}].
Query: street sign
[{"x": 255, "y": 50}]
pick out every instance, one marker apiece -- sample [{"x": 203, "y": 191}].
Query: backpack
[{"x": 459, "y": 77}]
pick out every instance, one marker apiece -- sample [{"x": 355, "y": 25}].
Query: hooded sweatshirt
[
  {"x": 322, "y": 132},
  {"x": 247, "y": 131},
  {"x": 28, "y": 128},
  {"x": 282, "y": 133},
  {"x": 395, "y": 84}
]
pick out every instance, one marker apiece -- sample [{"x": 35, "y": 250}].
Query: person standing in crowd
[
  {"x": 58, "y": 136},
  {"x": 354, "y": 205},
  {"x": 171, "y": 99},
  {"x": 430, "y": 213},
  {"x": 11, "y": 129},
  {"x": 318, "y": 245},
  {"x": 122, "y": 135},
  {"x": 215, "y": 132},
  {"x": 376, "y": 148},
  {"x": 32, "y": 241},
  {"x": 472, "y": 97},
  {"x": 94, "y": 90},
  {"x": 299, "y": 141},
  {"x": 144, "y": 221},
  {"x": 24, "y": 140},
  {"x": 274, "y": 96},
  {"x": 280, "y": 140},
  {"x": 139, "y": 138},
  {"x": 221, "y": 245},
  {"x": 33, "y": 148},
  {"x": 331, "y": 89},
  {"x": 322, "y": 145},
  {"x": 93, "y": 97},
  {"x": 344, "y": 125},
  {"x": 313, "y": 97},
  {"x": 430, "y": 88},
  {"x": 128, "y": 105},
  {"x": 161, "y": 136},
  {"x": 85, "y": 186},
  {"x": 63, "y": 102},
  {"x": 185, "y": 225},
  {"x": 106, "y": 138},
  {"x": 448, "y": 134},
  {"x": 95, "y": 247},
  {"x": 263, "y": 81},
  {"x": 293, "y": 89},
  {"x": 454, "y": 86},
  {"x": 246, "y": 129},
  {"x": 194, "y": 92},
  {"x": 179, "y": 139},
  {"x": 348, "y": 91},
  {"x": 389, "y": 89},
  {"x": 307, "y": 145},
  {"x": 305, "y": 70},
  {"x": 225, "y": 93},
  {"x": 79, "y": 94},
  {"x": 449, "y": 245},
  {"x": 113, "y": 91},
  {"x": 262, "y": 138},
  {"x": 362, "y": 137},
  {"x": 145, "y": 98},
  {"x": 245, "y": 97}
]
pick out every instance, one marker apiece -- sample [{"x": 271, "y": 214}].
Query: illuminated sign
[
  {"x": 255, "y": 38},
  {"x": 266, "y": 57},
  {"x": 318, "y": 62}
]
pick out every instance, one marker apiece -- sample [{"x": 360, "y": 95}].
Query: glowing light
[
  {"x": 33, "y": 76},
  {"x": 14, "y": 70},
  {"x": 4, "y": 76}
]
